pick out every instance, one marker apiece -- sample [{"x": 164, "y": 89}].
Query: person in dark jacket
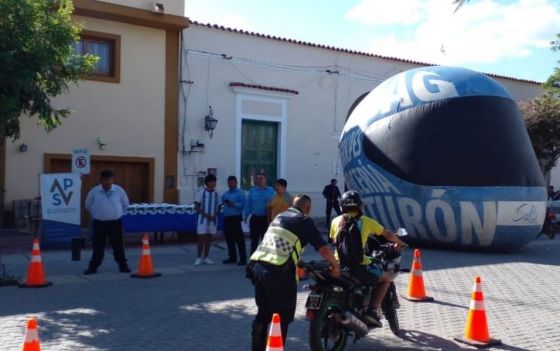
[{"x": 331, "y": 193}]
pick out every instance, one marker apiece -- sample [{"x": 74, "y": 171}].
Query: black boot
[{"x": 259, "y": 334}]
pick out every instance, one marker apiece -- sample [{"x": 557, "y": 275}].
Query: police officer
[{"x": 274, "y": 267}]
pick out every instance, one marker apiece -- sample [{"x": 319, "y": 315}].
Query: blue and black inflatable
[{"x": 444, "y": 152}]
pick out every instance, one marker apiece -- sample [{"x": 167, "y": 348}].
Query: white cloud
[{"x": 480, "y": 32}]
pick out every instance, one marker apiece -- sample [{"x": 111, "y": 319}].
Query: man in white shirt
[{"x": 107, "y": 203}]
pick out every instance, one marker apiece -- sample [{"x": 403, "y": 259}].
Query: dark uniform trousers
[
  {"x": 234, "y": 237},
  {"x": 258, "y": 226},
  {"x": 332, "y": 205},
  {"x": 275, "y": 292},
  {"x": 103, "y": 230}
]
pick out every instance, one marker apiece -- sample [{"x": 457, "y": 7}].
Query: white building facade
[{"x": 280, "y": 105}]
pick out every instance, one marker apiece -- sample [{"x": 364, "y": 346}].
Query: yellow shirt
[
  {"x": 368, "y": 226},
  {"x": 278, "y": 204}
]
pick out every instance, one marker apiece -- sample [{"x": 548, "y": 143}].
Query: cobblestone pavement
[{"x": 211, "y": 307}]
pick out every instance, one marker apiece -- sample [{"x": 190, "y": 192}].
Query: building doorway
[{"x": 259, "y": 151}]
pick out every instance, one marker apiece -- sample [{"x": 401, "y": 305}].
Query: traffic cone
[
  {"x": 302, "y": 275},
  {"x": 35, "y": 270},
  {"x": 476, "y": 330},
  {"x": 275, "y": 342},
  {"x": 145, "y": 268},
  {"x": 416, "y": 290},
  {"x": 31, "y": 340}
]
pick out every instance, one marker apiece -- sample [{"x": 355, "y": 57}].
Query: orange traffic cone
[
  {"x": 302, "y": 275},
  {"x": 35, "y": 270},
  {"x": 416, "y": 290},
  {"x": 275, "y": 342},
  {"x": 145, "y": 268},
  {"x": 476, "y": 330},
  {"x": 31, "y": 341}
]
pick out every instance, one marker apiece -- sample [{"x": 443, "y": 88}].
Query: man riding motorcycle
[{"x": 369, "y": 274}]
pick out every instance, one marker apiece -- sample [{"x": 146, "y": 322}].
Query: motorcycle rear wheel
[{"x": 326, "y": 333}]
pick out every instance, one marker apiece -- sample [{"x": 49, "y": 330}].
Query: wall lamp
[
  {"x": 102, "y": 142},
  {"x": 23, "y": 147},
  {"x": 210, "y": 122}
]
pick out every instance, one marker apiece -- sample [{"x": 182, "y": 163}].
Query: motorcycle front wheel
[
  {"x": 393, "y": 318},
  {"x": 326, "y": 333},
  {"x": 390, "y": 305}
]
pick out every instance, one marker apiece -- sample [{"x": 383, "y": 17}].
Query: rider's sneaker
[{"x": 371, "y": 317}]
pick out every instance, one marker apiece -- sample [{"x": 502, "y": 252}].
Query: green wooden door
[{"x": 259, "y": 151}]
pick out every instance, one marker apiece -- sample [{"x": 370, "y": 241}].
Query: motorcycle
[
  {"x": 336, "y": 306},
  {"x": 550, "y": 225}
]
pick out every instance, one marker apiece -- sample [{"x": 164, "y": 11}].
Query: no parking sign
[{"x": 80, "y": 161}]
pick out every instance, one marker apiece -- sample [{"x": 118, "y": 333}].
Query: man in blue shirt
[
  {"x": 107, "y": 203},
  {"x": 233, "y": 202},
  {"x": 256, "y": 207}
]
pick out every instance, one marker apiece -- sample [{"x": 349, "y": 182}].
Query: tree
[
  {"x": 542, "y": 118},
  {"x": 37, "y": 63},
  {"x": 552, "y": 84}
]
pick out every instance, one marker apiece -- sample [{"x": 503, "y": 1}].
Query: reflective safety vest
[{"x": 277, "y": 247}]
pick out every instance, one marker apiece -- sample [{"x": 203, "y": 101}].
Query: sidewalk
[{"x": 210, "y": 307}]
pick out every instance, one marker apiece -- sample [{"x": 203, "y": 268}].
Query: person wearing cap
[
  {"x": 331, "y": 193},
  {"x": 107, "y": 203},
  {"x": 369, "y": 274},
  {"x": 272, "y": 268}
]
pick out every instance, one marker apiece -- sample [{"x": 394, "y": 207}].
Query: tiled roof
[
  {"x": 263, "y": 87},
  {"x": 334, "y": 48}
]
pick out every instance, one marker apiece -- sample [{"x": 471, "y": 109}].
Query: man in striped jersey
[{"x": 206, "y": 205}]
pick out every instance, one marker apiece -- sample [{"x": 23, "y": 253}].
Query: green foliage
[
  {"x": 37, "y": 61},
  {"x": 542, "y": 117},
  {"x": 552, "y": 84},
  {"x": 555, "y": 44}
]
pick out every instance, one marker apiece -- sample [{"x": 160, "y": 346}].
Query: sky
[{"x": 507, "y": 37}]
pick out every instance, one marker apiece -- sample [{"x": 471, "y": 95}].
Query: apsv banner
[{"x": 60, "y": 203}]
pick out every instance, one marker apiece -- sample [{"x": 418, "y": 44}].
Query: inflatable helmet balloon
[{"x": 444, "y": 152}]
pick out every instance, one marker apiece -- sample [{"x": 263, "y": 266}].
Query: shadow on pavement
[
  {"x": 509, "y": 348},
  {"x": 429, "y": 340},
  {"x": 443, "y": 303}
]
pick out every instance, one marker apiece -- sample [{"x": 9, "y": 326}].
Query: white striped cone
[
  {"x": 477, "y": 298},
  {"x": 35, "y": 271},
  {"x": 476, "y": 329},
  {"x": 275, "y": 342},
  {"x": 145, "y": 268},
  {"x": 146, "y": 246},
  {"x": 31, "y": 340}
]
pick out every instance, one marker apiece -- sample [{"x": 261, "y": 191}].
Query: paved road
[{"x": 211, "y": 307}]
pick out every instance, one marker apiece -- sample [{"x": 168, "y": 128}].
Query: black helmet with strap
[{"x": 351, "y": 201}]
